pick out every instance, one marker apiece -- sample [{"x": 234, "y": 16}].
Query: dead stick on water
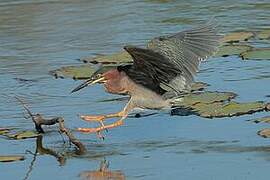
[
  {"x": 71, "y": 137},
  {"x": 39, "y": 120},
  {"x": 24, "y": 106}
]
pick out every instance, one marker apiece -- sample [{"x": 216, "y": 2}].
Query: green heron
[{"x": 160, "y": 72}]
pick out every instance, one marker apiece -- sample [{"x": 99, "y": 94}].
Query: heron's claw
[
  {"x": 98, "y": 130},
  {"x": 93, "y": 130},
  {"x": 100, "y": 135},
  {"x": 87, "y": 130}
]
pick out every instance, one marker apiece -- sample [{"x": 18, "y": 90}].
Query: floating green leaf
[
  {"x": 4, "y": 131},
  {"x": 120, "y": 57},
  {"x": 75, "y": 72},
  {"x": 265, "y": 34},
  {"x": 265, "y": 119},
  {"x": 204, "y": 98},
  {"x": 237, "y": 36},
  {"x": 262, "y": 5},
  {"x": 256, "y": 54},
  {"x": 232, "y": 49},
  {"x": 81, "y": 72},
  {"x": 11, "y": 158},
  {"x": 216, "y": 104},
  {"x": 22, "y": 135},
  {"x": 220, "y": 109}
]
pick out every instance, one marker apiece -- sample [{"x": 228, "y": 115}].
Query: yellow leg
[
  {"x": 97, "y": 130},
  {"x": 100, "y": 118}
]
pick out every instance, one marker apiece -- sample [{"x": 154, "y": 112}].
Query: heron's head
[
  {"x": 98, "y": 78},
  {"x": 112, "y": 80}
]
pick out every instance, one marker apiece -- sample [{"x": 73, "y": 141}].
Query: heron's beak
[{"x": 89, "y": 82}]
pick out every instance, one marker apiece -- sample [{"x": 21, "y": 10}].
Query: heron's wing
[
  {"x": 150, "y": 69},
  {"x": 186, "y": 49}
]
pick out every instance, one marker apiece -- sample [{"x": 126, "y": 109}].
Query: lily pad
[
  {"x": 4, "y": 131},
  {"x": 11, "y": 158},
  {"x": 237, "y": 36},
  {"x": 121, "y": 57},
  {"x": 22, "y": 135},
  {"x": 75, "y": 72},
  {"x": 232, "y": 49},
  {"x": 264, "y": 133},
  {"x": 80, "y": 72},
  {"x": 220, "y": 109},
  {"x": 265, "y": 34},
  {"x": 265, "y": 119},
  {"x": 204, "y": 98},
  {"x": 256, "y": 54},
  {"x": 216, "y": 104}
]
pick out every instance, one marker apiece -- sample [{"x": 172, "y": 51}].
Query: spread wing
[
  {"x": 187, "y": 49},
  {"x": 169, "y": 63}
]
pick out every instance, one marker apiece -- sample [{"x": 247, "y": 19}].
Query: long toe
[
  {"x": 93, "y": 117},
  {"x": 88, "y": 130}
]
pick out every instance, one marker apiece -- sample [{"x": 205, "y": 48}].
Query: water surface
[{"x": 39, "y": 36}]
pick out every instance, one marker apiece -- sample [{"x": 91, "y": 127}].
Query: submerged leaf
[
  {"x": 256, "y": 54},
  {"x": 11, "y": 158},
  {"x": 237, "y": 36}
]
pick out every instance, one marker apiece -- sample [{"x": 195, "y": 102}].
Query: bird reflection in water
[{"x": 103, "y": 173}]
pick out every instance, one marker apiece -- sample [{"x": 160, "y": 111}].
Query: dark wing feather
[
  {"x": 150, "y": 68},
  {"x": 169, "y": 63},
  {"x": 186, "y": 49}
]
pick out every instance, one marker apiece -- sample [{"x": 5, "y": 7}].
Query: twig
[
  {"x": 25, "y": 107},
  {"x": 36, "y": 118},
  {"x": 72, "y": 139},
  {"x": 39, "y": 121}
]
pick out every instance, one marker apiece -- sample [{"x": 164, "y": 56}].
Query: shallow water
[{"x": 39, "y": 36}]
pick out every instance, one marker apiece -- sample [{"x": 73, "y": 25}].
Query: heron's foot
[
  {"x": 98, "y": 118},
  {"x": 101, "y": 128}
]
